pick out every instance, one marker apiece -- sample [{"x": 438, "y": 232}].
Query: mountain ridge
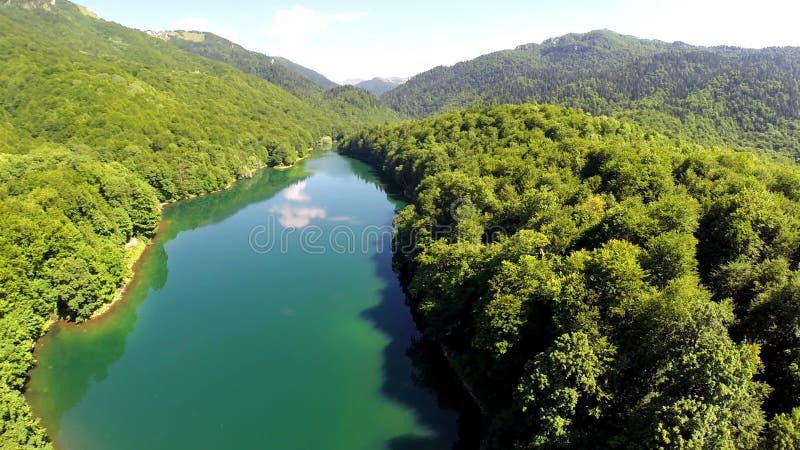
[
  {"x": 715, "y": 95},
  {"x": 347, "y": 102},
  {"x": 379, "y": 86}
]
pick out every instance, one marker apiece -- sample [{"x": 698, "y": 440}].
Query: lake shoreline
[
  {"x": 409, "y": 414},
  {"x": 137, "y": 259},
  {"x": 473, "y": 410}
]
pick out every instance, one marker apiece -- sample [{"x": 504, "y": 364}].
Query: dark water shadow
[{"x": 431, "y": 375}]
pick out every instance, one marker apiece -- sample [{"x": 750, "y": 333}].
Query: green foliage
[
  {"x": 98, "y": 124},
  {"x": 598, "y": 285},
  {"x": 564, "y": 387},
  {"x": 717, "y": 95},
  {"x": 345, "y": 105},
  {"x": 186, "y": 124},
  {"x": 783, "y": 433}
]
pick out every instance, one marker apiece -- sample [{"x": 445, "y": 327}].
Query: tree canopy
[
  {"x": 713, "y": 95},
  {"x": 599, "y": 285},
  {"x": 98, "y": 125}
]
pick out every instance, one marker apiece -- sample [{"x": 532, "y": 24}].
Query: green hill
[
  {"x": 598, "y": 285},
  {"x": 98, "y": 124},
  {"x": 300, "y": 81},
  {"x": 312, "y": 75},
  {"x": 344, "y": 103},
  {"x": 717, "y": 95}
]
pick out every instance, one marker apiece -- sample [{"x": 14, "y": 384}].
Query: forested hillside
[
  {"x": 380, "y": 86},
  {"x": 597, "y": 285},
  {"x": 267, "y": 67},
  {"x": 350, "y": 104},
  {"x": 98, "y": 124},
  {"x": 720, "y": 95}
]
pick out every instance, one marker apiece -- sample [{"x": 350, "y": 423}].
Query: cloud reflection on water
[
  {"x": 291, "y": 215},
  {"x": 297, "y": 193}
]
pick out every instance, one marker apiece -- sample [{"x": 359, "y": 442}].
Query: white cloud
[{"x": 292, "y": 29}]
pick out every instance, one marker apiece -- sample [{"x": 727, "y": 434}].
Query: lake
[{"x": 263, "y": 317}]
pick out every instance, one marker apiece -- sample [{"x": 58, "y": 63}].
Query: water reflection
[
  {"x": 294, "y": 213},
  {"x": 76, "y": 356},
  {"x": 274, "y": 346},
  {"x": 297, "y": 193}
]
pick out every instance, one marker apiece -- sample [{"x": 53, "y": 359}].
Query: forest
[
  {"x": 354, "y": 104},
  {"x": 727, "y": 96},
  {"x": 597, "y": 284},
  {"x": 612, "y": 273},
  {"x": 98, "y": 125}
]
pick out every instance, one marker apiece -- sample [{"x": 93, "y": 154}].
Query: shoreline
[
  {"x": 139, "y": 248},
  {"x": 136, "y": 252},
  {"x": 467, "y": 416}
]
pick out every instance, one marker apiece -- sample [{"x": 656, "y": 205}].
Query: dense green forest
[
  {"x": 268, "y": 67},
  {"x": 98, "y": 125},
  {"x": 718, "y": 95},
  {"x": 292, "y": 77},
  {"x": 380, "y": 86},
  {"x": 353, "y": 104},
  {"x": 598, "y": 285}
]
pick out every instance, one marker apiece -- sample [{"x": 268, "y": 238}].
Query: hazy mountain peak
[{"x": 379, "y": 85}]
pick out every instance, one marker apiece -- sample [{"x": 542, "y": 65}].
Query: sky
[{"x": 362, "y": 39}]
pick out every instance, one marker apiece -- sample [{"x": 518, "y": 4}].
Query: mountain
[
  {"x": 716, "y": 95},
  {"x": 380, "y": 86},
  {"x": 597, "y": 285},
  {"x": 350, "y": 104},
  {"x": 286, "y": 74},
  {"x": 98, "y": 125},
  {"x": 317, "y": 78}
]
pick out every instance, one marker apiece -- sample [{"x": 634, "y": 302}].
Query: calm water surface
[{"x": 240, "y": 333}]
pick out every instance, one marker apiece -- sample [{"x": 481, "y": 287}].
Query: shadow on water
[
  {"x": 414, "y": 368},
  {"x": 72, "y": 356},
  {"x": 430, "y": 372}
]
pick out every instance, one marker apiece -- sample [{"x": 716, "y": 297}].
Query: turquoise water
[{"x": 244, "y": 331}]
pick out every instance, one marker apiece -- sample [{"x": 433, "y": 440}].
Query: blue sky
[{"x": 350, "y": 39}]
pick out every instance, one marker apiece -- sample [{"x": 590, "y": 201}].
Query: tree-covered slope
[
  {"x": 269, "y": 68},
  {"x": 380, "y": 86},
  {"x": 598, "y": 285},
  {"x": 98, "y": 124},
  {"x": 351, "y": 106},
  {"x": 719, "y": 95},
  {"x": 187, "y": 124},
  {"x": 318, "y": 79}
]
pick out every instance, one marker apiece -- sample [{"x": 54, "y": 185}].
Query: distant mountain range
[
  {"x": 351, "y": 103},
  {"x": 377, "y": 85},
  {"x": 718, "y": 95}
]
